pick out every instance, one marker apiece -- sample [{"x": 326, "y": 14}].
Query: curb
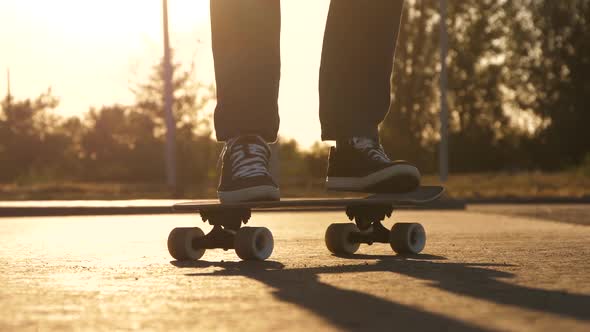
[
  {"x": 530, "y": 200},
  {"x": 81, "y": 211}
]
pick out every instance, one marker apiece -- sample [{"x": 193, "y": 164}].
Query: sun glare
[
  {"x": 109, "y": 19},
  {"x": 89, "y": 52}
]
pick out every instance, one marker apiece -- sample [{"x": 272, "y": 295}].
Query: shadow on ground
[{"x": 350, "y": 309}]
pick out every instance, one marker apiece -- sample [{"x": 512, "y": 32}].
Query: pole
[
  {"x": 444, "y": 113},
  {"x": 168, "y": 99},
  {"x": 8, "y": 92}
]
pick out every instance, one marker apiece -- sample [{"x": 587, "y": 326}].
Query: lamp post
[
  {"x": 8, "y": 84},
  {"x": 168, "y": 100},
  {"x": 444, "y": 112}
]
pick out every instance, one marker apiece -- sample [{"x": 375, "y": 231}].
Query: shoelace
[
  {"x": 371, "y": 147},
  {"x": 247, "y": 159}
]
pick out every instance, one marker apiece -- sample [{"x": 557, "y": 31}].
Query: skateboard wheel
[
  {"x": 180, "y": 243},
  {"x": 407, "y": 238},
  {"x": 338, "y": 239},
  {"x": 254, "y": 243}
]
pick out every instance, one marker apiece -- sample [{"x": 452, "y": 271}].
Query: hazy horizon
[{"x": 90, "y": 54}]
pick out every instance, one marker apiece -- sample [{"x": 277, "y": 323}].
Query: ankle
[{"x": 353, "y": 140}]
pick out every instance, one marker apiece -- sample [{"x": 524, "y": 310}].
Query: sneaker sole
[
  {"x": 258, "y": 193},
  {"x": 393, "y": 179}
]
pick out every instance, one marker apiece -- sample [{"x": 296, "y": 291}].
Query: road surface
[{"x": 479, "y": 272}]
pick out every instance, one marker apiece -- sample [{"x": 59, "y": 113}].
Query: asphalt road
[{"x": 479, "y": 271}]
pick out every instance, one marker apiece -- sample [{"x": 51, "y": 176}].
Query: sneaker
[
  {"x": 360, "y": 164},
  {"x": 245, "y": 172}
]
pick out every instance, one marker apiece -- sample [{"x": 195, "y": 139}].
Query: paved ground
[
  {"x": 570, "y": 213},
  {"x": 480, "y": 271}
]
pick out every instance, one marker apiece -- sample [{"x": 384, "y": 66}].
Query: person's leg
[
  {"x": 357, "y": 60},
  {"x": 246, "y": 53},
  {"x": 355, "y": 76}
]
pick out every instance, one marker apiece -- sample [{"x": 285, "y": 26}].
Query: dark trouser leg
[
  {"x": 246, "y": 52},
  {"x": 355, "y": 73}
]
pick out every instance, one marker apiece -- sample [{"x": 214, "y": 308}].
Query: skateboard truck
[
  {"x": 366, "y": 215},
  {"x": 378, "y": 234},
  {"x": 218, "y": 237},
  {"x": 228, "y": 218},
  {"x": 226, "y": 222}
]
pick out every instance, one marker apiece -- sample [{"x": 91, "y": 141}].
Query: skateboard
[{"x": 257, "y": 243}]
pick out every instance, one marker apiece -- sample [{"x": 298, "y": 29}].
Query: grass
[
  {"x": 89, "y": 191},
  {"x": 506, "y": 185},
  {"x": 480, "y": 185}
]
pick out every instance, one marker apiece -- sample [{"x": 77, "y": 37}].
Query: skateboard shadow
[
  {"x": 389, "y": 257},
  {"x": 352, "y": 310},
  {"x": 345, "y": 309}
]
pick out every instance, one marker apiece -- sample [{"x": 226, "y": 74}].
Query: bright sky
[{"x": 89, "y": 52}]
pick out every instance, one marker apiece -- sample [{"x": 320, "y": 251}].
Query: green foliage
[
  {"x": 559, "y": 78},
  {"x": 31, "y": 137},
  {"x": 190, "y": 97},
  {"x": 119, "y": 145},
  {"x": 196, "y": 153},
  {"x": 114, "y": 143},
  {"x": 302, "y": 170},
  {"x": 584, "y": 167},
  {"x": 408, "y": 131},
  {"x": 292, "y": 162},
  {"x": 126, "y": 144},
  {"x": 517, "y": 84},
  {"x": 316, "y": 160}
]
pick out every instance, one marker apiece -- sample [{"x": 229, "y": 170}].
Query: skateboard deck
[
  {"x": 421, "y": 195},
  {"x": 256, "y": 243}
]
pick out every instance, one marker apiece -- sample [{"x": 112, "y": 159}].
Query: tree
[
  {"x": 119, "y": 145},
  {"x": 195, "y": 149},
  {"x": 482, "y": 83},
  {"x": 33, "y": 142},
  {"x": 557, "y": 61},
  {"x": 407, "y": 132}
]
